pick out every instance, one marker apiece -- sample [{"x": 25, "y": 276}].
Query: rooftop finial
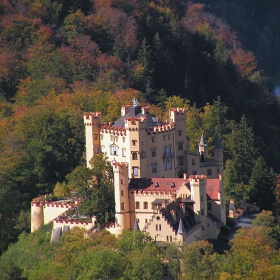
[{"x": 135, "y": 102}]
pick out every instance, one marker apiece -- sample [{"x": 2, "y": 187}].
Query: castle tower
[
  {"x": 198, "y": 194},
  {"x": 92, "y": 123},
  {"x": 178, "y": 116},
  {"x": 37, "y": 216},
  {"x": 218, "y": 156},
  {"x": 202, "y": 149},
  {"x": 136, "y": 139},
  {"x": 122, "y": 201}
]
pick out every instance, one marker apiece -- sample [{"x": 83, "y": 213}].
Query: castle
[
  {"x": 151, "y": 160},
  {"x": 150, "y": 147},
  {"x": 153, "y": 192}
]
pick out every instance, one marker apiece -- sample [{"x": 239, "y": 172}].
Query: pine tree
[{"x": 262, "y": 185}]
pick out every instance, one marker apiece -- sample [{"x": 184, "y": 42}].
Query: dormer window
[
  {"x": 172, "y": 185},
  {"x": 156, "y": 184}
]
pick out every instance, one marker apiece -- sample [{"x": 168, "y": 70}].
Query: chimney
[
  {"x": 231, "y": 209},
  {"x": 145, "y": 109},
  {"x": 185, "y": 176}
]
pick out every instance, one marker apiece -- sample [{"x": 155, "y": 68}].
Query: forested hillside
[
  {"x": 61, "y": 58},
  {"x": 253, "y": 254}
]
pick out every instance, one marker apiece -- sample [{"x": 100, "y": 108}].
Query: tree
[
  {"x": 102, "y": 263},
  {"x": 262, "y": 185},
  {"x": 11, "y": 272},
  {"x": 240, "y": 152},
  {"x": 265, "y": 218},
  {"x": 95, "y": 187},
  {"x": 198, "y": 260},
  {"x": 145, "y": 264},
  {"x": 252, "y": 252}
]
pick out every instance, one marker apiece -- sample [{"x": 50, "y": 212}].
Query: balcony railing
[{"x": 167, "y": 156}]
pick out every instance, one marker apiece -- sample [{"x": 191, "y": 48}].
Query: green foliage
[
  {"x": 198, "y": 261},
  {"x": 262, "y": 185},
  {"x": 95, "y": 187},
  {"x": 60, "y": 58}
]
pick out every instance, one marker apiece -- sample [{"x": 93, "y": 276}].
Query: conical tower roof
[
  {"x": 202, "y": 142},
  {"x": 136, "y": 226},
  {"x": 218, "y": 144},
  {"x": 181, "y": 229}
]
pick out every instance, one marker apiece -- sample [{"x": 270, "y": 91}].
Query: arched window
[{"x": 114, "y": 150}]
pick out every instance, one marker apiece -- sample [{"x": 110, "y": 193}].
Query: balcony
[{"x": 168, "y": 156}]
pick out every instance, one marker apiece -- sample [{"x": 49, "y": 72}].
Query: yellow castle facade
[{"x": 151, "y": 160}]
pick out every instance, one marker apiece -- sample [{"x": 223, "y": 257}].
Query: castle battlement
[
  {"x": 71, "y": 221},
  {"x": 89, "y": 115},
  {"x": 109, "y": 129},
  {"x": 164, "y": 127},
  {"x": 178, "y": 110}
]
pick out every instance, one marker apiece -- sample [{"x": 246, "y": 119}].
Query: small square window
[
  {"x": 164, "y": 137},
  {"x": 122, "y": 193},
  {"x": 153, "y": 152},
  {"x": 209, "y": 172},
  {"x": 153, "y": 139},
  {"x": 137, "y": 205},
  {"x": 202, "y": 212},
  {"x": 209, "y": 206},
  {"x": 193, "y": 161},
  {"x": 154, "y": 168},
  {"x": 122, "y": 206},
  {"x": 179, "y": 132},
  {"x": 95, "y": 136},
  {"x": 134, "y": 142},
  {"x": 145, "y": 205},
  {"x": 168, "y": 136},
  {"x": 134, "y": 156}
]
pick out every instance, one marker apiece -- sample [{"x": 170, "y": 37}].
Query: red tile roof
[
  {"x": 212, "y": 188},
  {"x": 172, "y": 184},
  {"x": 157, "y": 184}
]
